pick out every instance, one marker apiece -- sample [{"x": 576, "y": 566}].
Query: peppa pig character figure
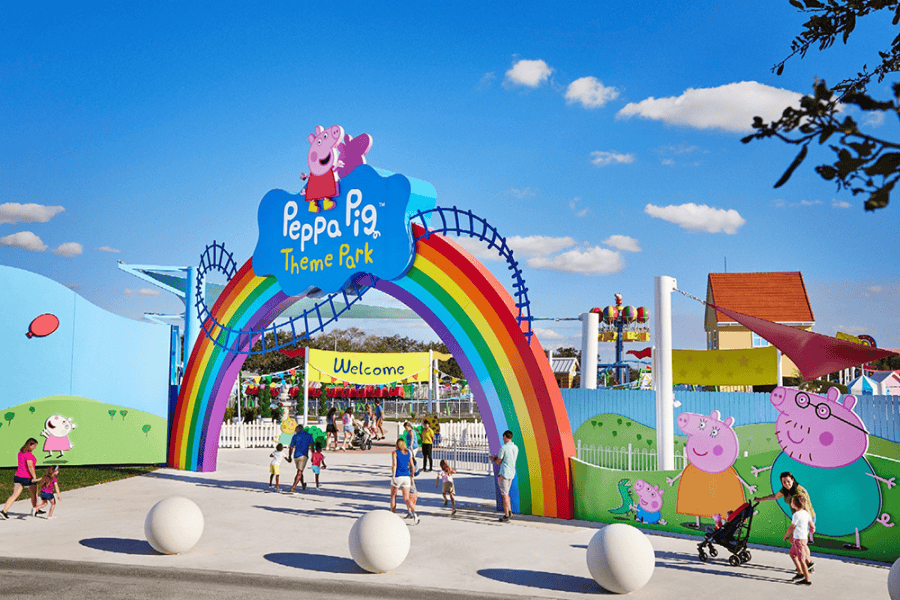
[
  {"x": 323, "y": 162},
  {"x": 823, "y": 444},
  {"x": 709, "y": 484},
  {"x": 56, "y": 430},
  {"x": 649, "y": 504}
]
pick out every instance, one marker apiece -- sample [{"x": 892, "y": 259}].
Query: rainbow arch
[{"x": 472, "y": 314}]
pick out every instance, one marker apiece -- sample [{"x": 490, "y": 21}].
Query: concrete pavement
[{"x": 257, "y": 539}]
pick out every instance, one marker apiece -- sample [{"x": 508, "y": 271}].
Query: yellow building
[{"x": 777, "y": 297}]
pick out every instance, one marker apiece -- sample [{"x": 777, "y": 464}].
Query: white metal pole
[
  {"x": 306, "y": 386},
  {"x": 431, "y": 387},
  {"x": 662, "y": 378},
  {"x": 779, "y": 369},
  {"x": 590, "y": 329}
]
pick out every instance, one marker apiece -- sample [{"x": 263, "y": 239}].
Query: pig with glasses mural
[
  {"x": 823, "y": 445},
  {"x": 709, "y": 484}
]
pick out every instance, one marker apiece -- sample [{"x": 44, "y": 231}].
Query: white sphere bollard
[
  {"x": 379, "y": 541},
  {"x": 894, "y": 581},
  {"x": 174, "y": 525},
  {"x": 620, "y": 558}
]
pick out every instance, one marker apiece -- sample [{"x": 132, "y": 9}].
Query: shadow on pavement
[
  {"x": 315, "y": 562},
  {"x": 544, "y": 580},
  {"x": 687, "y": 562},
  {"x": 119, "y": 545}
]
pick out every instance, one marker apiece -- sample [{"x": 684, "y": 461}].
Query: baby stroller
[
  {"x": 731, "y": 535},
  {"x": 362, "y": 438}
]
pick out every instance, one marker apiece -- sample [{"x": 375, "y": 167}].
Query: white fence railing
[
  {"x": 464, "y": 458},
  {"x": 260, "y": 434},
  {"x": 626, "y": 459}
]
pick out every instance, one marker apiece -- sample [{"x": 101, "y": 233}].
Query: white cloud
[
  {"x": 623, "y": 242},
  {"x": 840, "y": 204},
  {"x": 548, "y": 334},
  {"x": 873, "y": 119},
  {"x": 590, "y": 92},
  {"x": 487, "y": 80},
  {"x": 682, "y": 148},
  {"x": 530, "y": 73},
  {"x": 875, "y": 288},
  {"x": 573, "y": 204},
  {"x": 694, "y": 217},
  {"x": 538, "y": 245},
  {"x": 668, "y": 162},
  {"x": 590, "y": 261},
  {"x": 142, "y": 292},
  {"x": 69, "y": 249},
  {"x": 109, "y": 249},
  {"x": 13, "y": 212},
  {"x": 523, "y": 193},
  {"x": 478, "y": 249},
  {"x": 729, "y": 107},
  {"x": 25, "y": 240},
  {"x": 601, "y": 159}
]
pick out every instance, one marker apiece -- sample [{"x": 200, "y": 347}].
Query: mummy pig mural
[
  {"x": 823, "y": 445},
  {"x": 709, "y": 483}
]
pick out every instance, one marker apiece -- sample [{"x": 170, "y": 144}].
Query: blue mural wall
[{"x": 93, "y": 365}]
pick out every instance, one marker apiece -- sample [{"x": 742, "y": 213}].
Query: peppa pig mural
[
  {"x": 649, "y": 506},
  {"x": 709, "y": 483},
  {"x": 56, "y": 433},
  {"x": 823, "y": 443}
]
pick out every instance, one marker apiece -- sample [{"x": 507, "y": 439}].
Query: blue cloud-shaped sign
[{"x": 368, "y": 231}]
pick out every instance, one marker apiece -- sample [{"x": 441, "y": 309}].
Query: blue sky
[{"x": 603, "y": 140}]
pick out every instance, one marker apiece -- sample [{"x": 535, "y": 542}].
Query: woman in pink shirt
[{"x": 24, "y": 477}]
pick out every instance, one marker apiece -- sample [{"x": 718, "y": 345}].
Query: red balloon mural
[{"x": 43, "y": 326}]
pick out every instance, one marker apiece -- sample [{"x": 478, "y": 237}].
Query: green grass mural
[
  {"x": 605, "y": 495},
  {"x": 97, "y": 438}
]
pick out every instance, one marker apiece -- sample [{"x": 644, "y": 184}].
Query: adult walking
[
  {"x": 299, "y": 448},
  {"x": 506, "y": 459},
  {"x": 331, "y": 429},
  {"x": 427, "y": 445},
  {"x": 412, "y": 441},
  {"x": 24, "y": 477},
  {"x": 790, "y": 489},
  {"x": 403, "y": 478}
]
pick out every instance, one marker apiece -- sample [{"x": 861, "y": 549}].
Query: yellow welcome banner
[
  {"x": 746, "y": 366},
  {"x": 365, "y": 368}
]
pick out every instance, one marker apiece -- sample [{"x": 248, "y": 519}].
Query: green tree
[
  {"x": 146, "y": 430},
  {"x": 9, "y": 417},
  {"x": 112, "y": 413},
  {"x": 864, "y": 164},
  {"x": 31, "y": 409},
  {"x": 123, "y": 412},
  {"x": 265, "y": 402}
]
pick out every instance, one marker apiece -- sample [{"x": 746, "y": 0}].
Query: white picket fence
[
  {"x": 464, "y": 458},
  {"x": 261, "y": 434},
  {"x": 625, "y": 459},
  {"x": 462, "y": 433}
]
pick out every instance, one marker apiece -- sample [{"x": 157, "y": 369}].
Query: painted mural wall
[
  {"x": 849, "y": 472},
  {"x": 90, "y": 386}
]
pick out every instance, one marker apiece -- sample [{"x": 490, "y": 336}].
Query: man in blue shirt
[
  {"x": 379, "y": 423},
  {"x": 506, "y": 458},
  {"x": 299, "y": 448}
]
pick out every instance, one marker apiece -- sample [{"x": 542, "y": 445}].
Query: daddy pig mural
[
  {"x": 709, "y": 484},
  {"x": 823, "y": 442}
]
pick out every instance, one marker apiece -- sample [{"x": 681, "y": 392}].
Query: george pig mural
[
  {"x": 823, "y": 445},
  {"x": 709, "y": 484}
]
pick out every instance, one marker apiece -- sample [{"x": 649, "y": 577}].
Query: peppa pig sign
[{"x": 349, "y": 219}]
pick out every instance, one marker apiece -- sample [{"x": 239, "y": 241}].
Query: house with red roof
[{"x": 777, "y": 297}]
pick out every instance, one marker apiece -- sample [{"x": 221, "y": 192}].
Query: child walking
[
  {"x": 446, "y": 475},
  {"x": 49, "y": 485},
  {"x": 799, "y": 530},
  {"x": 318, "y": 463},
  {"x": 274, "y": 466}
]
